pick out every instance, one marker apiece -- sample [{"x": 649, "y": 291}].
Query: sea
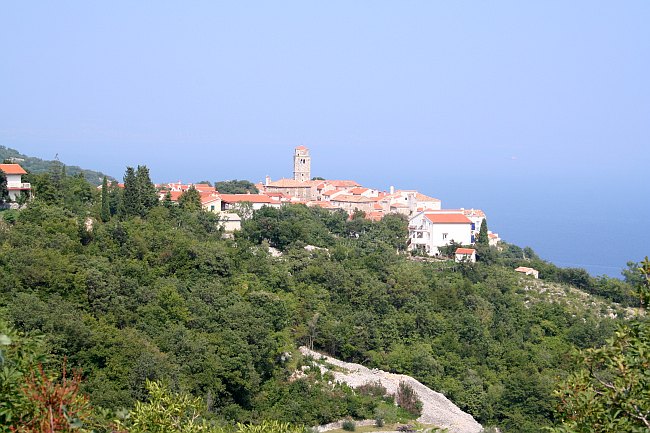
[{"x": 599, "y": 227}]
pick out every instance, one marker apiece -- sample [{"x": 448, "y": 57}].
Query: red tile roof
[
  {"x": 301, "y": 148},
  {"x": 342, "y": 183},
  {"x": 447, "y": 218},
  {"x": 465, "y": 251},
  {"x": 12, "y": 169},
  {"x": 239, "y": 198},
  {"x": 358, "y": 190}
]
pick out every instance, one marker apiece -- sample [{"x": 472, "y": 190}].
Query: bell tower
[{"x": 301, "y": 164}]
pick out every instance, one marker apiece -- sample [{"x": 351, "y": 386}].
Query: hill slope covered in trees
[
  {"x": 160, "y": 295},
  {"x": 38, "y": 165}
]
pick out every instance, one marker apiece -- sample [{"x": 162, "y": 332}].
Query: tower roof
[{"x": 301, "y": 148}]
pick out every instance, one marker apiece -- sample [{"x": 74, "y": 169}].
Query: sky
[{"x": 536, "y": 112}]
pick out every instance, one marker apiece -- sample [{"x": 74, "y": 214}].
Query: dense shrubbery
[{"x": 157, "y": 295}]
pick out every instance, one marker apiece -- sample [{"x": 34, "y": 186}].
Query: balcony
[{"x": 19, "y": 185}]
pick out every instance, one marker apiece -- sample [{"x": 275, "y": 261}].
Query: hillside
[
  {"x": 157, "y": 293},
  {"x": 38, "y": 165},
  {"x": 436, "y": 409}
]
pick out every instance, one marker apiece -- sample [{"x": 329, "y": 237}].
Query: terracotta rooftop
[
  {"x": 448, "y": 218},
  {"x": 239, "y": 198},
  {"x": 465, "y": 251},
  {"x": 12, "y": 169}
]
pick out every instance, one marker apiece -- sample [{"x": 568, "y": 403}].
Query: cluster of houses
[{"x": 430, "y": 226}]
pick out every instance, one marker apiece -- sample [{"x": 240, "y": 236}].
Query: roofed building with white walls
[
  {"x": 15, "y": 184},
  {"x": 428, "y": 231}
]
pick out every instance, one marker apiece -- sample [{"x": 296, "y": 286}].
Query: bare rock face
[{"x": 436, "y": 408}]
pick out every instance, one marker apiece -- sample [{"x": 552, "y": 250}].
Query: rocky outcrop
[{"x": 436, "y": 408}]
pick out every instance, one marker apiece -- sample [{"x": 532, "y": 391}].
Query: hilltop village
[{"x": 430, "y": 226}]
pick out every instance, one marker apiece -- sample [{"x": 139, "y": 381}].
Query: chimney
[{"x": 268, "y": 180}]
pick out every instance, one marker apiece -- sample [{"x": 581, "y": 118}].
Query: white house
[
  {"x": 230, "y": 221},
  {"x": 528, "y": 271},
  {"x": 465, "y": 255},
  {"x": 430, "y": 230},
  {"x": 257, "y": 201},
  {"x": 15, "y": 184},
  {"x": 409, "y": 202},
  {"x": 476, "y": 216}
]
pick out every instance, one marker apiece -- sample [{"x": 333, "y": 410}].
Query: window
[
  {"x": 212, "y": 208},
  {"x": 444, "y": 236}
]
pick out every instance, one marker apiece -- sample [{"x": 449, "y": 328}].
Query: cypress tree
[
  {"x": 106, "y": 210},
  {"x": 131, "y": 203},
  {"x": 148, "y": 195},
  {"x": 4, "y": 192},
  {"x": 483, "y": 238}
]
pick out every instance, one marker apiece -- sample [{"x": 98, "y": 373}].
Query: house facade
[
  {"x": 428, "y": 231},
  {"x": 15, "y": 184}
]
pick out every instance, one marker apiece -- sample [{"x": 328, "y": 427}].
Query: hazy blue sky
[{"x": 516, "y": 107}]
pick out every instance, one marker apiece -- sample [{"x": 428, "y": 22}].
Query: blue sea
[{"x": 596, "y": 226}]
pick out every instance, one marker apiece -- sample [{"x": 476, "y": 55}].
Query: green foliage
[
  {"x": 4, "y": 193},
  {"x": 610, "y": 389},
  {"x": 166, "y": 412},
  {"x": 349, "y": 425},
  {"x": 19, "y": 356},
  {"x": 483, "y": 238},
  {"x": 106, "y": 210},
  {"x": 162, "y": 297},
  {"x": 236, "y": 187},
  {"x": 190, "y": 200},
  {"x": 140, "y": 194}
]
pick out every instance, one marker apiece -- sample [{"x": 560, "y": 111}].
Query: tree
[
  {"x": 166, "y": 412},
  {"x": 235, "y": 187},
  {"x": 610, "y": 390},
  {"x": 146, "y": 189},
  {"x": 131, "y": 204},
  {"x": 4, "y": 193},
  {"x": 56, "y": 406},
  {"x": 106, "y": 210},
  {"x": 483, "y": 238},
  {"x": 190, "y": 199},
  {"x": 115, "y": 204}
]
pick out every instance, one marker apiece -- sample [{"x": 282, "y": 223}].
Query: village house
[
  {"x": 15, "y": 184},
  {"x": 528, "y": 271},
  {"x": 465, "y": 255},
  {"x": 476, "y": 216},
  {"x": 428, "y": 231}
]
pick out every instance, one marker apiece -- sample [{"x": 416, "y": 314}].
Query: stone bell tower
[{"x": 301, "y": 164}]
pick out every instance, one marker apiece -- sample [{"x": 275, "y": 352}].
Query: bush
[
  {"x": 407, "y": 398},
  {"x": 349, "y": 425},
  {"x": 373, "y": 389}
]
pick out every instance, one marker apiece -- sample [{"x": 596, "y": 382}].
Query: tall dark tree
[
  {"x": 4, "y": 193},
  {"x": 115, "y": 198},
  {"x": 131, "y": 203},
  {"x": 106, "y": 210},
  {"x": 483, "y": 237},
  {"x": 147, "y": 190}
]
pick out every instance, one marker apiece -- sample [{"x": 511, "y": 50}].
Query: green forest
[{"x": 116, "y": 302}]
